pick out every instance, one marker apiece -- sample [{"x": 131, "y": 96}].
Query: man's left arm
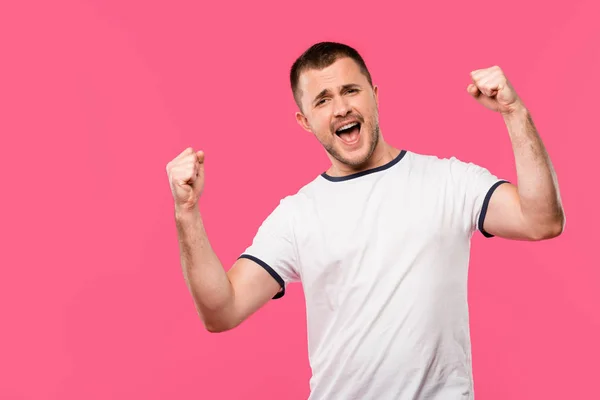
[{"x": 532, "y": 209}]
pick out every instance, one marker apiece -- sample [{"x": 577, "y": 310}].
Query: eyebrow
[{"x": 324, "y": 92}]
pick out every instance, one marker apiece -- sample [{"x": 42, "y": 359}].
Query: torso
[{"x": 383, "y": 261}]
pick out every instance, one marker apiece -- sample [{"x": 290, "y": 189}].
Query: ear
[
  {"x": 376, "y": 92},
  {"x": 302, "y": 121}
]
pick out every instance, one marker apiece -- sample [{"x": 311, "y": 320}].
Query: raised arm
[
  {"x": 223, "y": 299},
  {"x": 532, "y": 209}
]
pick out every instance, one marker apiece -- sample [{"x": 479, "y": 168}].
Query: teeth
[{"x": 348, "y": 126}]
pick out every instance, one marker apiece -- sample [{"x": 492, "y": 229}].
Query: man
[{"x": 380, "y": 241}]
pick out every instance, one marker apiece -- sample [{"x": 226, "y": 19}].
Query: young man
[{"x": 380, "y": 241}]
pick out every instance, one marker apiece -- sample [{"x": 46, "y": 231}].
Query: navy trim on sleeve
[
  {"x": 484, "y": 207},
  {"x": 271, "y": 272}
]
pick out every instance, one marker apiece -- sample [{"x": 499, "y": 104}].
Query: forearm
[
  {"x": 203, "y": 272},
  {"x": 537, "y": 183}
]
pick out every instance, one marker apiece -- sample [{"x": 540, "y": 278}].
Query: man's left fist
[{"x": 491, "y": 88}]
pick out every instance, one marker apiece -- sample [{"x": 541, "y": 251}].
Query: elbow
[
  {"x": 215, "y": 319},
  {"x": 550, "y": 230},
  {"x": 218, "y": 325},
  {"x": 559, "y": 227},
  {"x": 216, "y": 328}
]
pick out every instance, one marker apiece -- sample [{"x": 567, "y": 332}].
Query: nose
[{"x": 340, "y": 106}]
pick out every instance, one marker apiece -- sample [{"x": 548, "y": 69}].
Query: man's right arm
[{"x": 223, "y": 299}]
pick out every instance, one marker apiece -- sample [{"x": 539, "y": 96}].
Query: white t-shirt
[{"x": 383, "y": 259}]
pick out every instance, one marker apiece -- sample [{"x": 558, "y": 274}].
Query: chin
[
  {"x": 355, "y": 155},
  {"x": 354, "y": 158},
  {"x": 360, "y": 156},
  {"x": 357, "y": 158}
]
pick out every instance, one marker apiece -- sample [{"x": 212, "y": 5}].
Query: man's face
[{"x": 340, "y": 109}]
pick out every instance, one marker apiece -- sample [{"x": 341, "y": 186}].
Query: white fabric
[{"x": 383, "y": 259}]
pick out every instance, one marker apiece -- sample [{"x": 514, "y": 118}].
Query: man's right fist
[{"x": 186, "y": 177}]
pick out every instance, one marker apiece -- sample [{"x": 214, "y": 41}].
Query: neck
[{"x": 383, "y": 154}]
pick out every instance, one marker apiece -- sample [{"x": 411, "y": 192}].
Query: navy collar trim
[{"x": 366, "y": 172}]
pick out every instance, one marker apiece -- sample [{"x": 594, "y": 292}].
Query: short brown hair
[{"x": 322, "y": 55}]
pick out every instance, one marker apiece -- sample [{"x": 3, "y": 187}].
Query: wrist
[
  {"x": 518, "y": 112},
  {"x": 521, "y": 129},
  {"x": 183, "y": 212}
]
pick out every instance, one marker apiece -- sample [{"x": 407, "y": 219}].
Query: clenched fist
[
  {"x": 186, "y": 177},
  {"x": 492, "y": 89}
]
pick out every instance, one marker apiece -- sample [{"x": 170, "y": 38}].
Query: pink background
[{"x": 96, "y": 97}]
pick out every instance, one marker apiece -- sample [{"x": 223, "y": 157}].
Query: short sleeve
[
  {"x": 473, "y": 189},
  {"x": 274, "y": 247}
]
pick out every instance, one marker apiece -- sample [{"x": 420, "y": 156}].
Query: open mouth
[{"x": 349, "y": 133}]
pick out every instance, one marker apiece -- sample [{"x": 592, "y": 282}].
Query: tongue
[{"x": 350, "y": 136}]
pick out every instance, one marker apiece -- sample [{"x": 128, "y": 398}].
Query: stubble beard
[{"x": 374, "y": 140}]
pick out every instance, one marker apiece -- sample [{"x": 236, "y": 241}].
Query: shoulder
[
  {"x": 434, "y": 164},
  {"x": 451, "y": 170},
  {"x": 448, "y": 163},
  {"x": 433, "y": 160},
  {"x": 295, "y": 204}
]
